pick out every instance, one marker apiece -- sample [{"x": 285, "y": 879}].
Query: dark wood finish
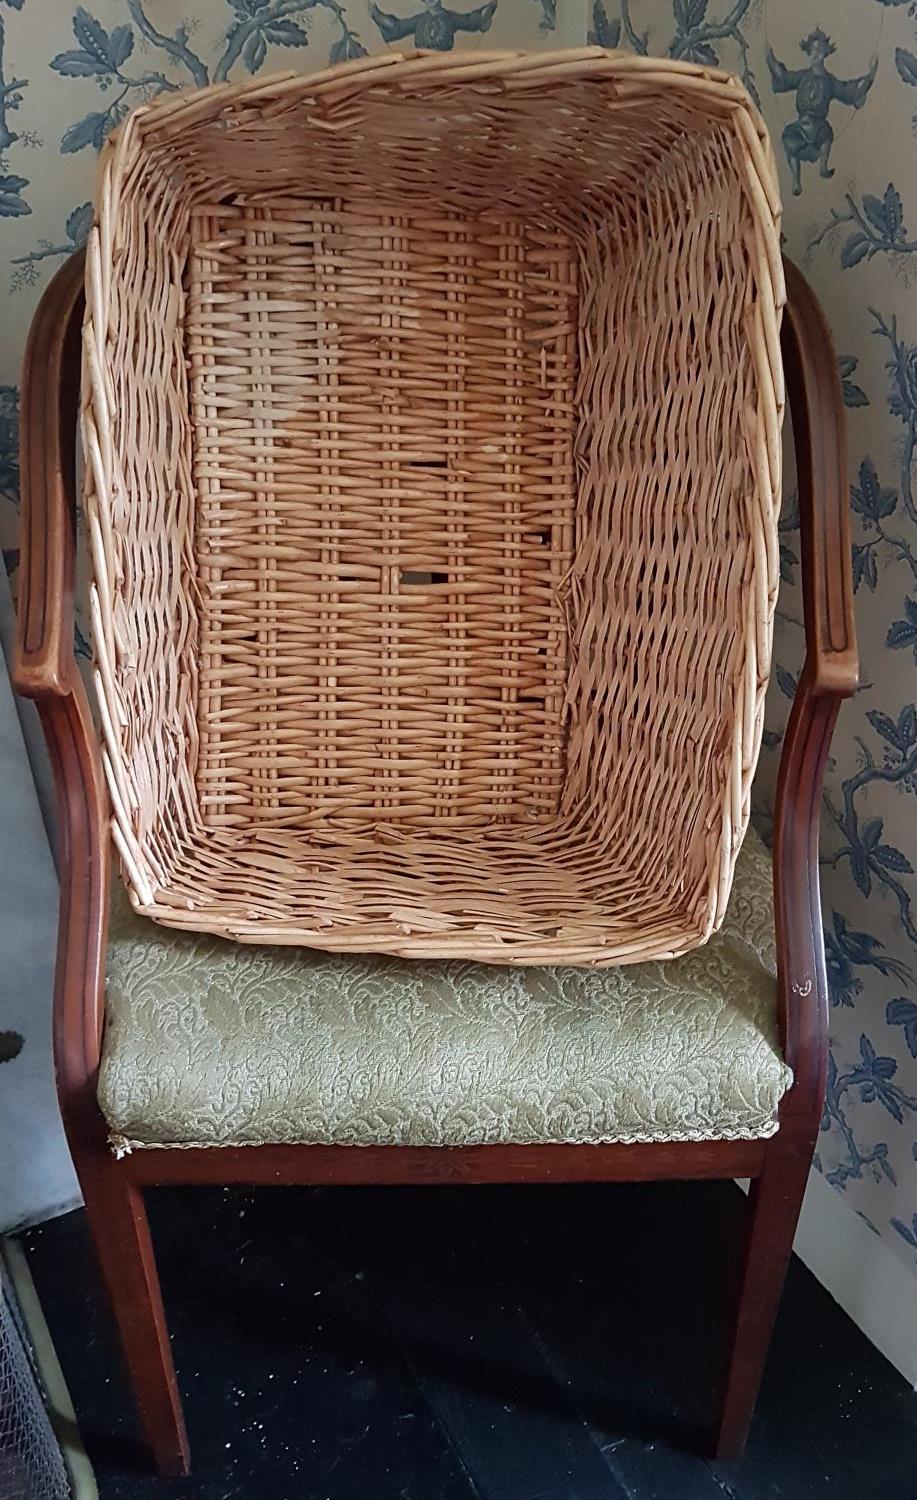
[
  {"x": 351, "y": 1165},
  {"x": 819, "y": 435},
  {"x": 121, "y": 1235},
  {"x": 774, "y": 1201},
  {"x": 50, "y": 397},
  {"x": 829, "y": 674},
  {"x": 45, "y": 670}
]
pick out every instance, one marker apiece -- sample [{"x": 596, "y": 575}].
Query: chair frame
[{"x": 113, "y": 1189}]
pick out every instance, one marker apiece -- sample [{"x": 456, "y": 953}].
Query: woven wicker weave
[{"x": 432, "y": 432}]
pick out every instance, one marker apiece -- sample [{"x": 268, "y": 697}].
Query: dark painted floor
[{"x": 447, "y": 1343}]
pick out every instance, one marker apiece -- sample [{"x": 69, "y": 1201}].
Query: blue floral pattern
[{"x": 841, "y": 103}]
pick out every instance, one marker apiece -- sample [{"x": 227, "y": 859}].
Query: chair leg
[
  {"x": 773, "y": 1212},
  {"x": 121, "y": 1233}
]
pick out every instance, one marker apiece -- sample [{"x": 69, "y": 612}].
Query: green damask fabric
[{"x": 215, "y": 1043}]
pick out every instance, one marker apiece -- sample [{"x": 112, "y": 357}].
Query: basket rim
[{"x": 520, "y": 68}]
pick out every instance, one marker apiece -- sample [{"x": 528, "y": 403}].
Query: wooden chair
[{"x": 114, "y": 1188}]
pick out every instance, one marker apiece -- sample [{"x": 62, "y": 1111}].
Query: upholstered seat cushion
[{"x": 209, "y": 1042}]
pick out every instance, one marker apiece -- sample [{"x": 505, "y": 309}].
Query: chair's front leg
[
  {"x": 775, "y": 1199},
  {"x": 121, "y": 1233}
]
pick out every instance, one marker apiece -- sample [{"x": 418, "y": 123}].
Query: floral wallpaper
[{"x": 840, "y": 96}]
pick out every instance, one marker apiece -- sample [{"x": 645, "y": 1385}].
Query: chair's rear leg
[
  {"x": 773, "y": 1211},
  {"x": 121, "y": 1233}
]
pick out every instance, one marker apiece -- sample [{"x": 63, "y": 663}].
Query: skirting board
[{"x": 875, "y": 1289}]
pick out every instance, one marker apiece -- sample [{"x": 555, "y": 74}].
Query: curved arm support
[
  {"x": 830, "y": 674},
  {"x": 45, "y": 669}
]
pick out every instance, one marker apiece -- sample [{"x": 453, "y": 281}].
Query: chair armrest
[
  {"x": 816, "y": 406},
  {"x": 45, "y": 669},
  {"x": 44, "y": 665},
  {"x": 829, "y": 674}
]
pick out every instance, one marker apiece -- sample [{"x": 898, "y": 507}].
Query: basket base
[
  {"x": 382, "y": 424},
  {"x": 546, "y": 895}
]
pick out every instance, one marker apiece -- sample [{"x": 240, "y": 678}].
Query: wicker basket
[{"x": 432, "y": 436}]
